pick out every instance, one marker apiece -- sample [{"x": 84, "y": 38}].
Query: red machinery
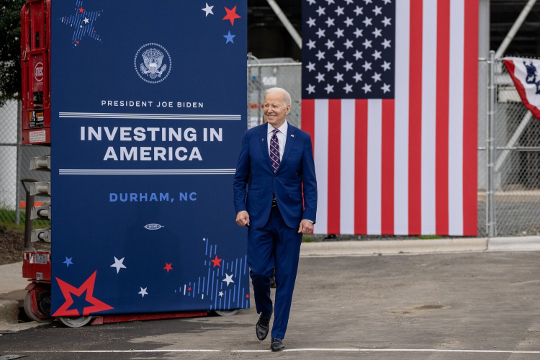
[{"x": 35, "y": 63}]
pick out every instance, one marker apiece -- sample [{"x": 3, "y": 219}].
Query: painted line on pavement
[{"x": 290, "y": 350}]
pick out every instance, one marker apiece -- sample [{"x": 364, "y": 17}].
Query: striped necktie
[{"x": 274, "y": 151}]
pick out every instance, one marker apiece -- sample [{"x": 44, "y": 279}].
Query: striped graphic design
[
  {"x": 85, "y": 115},
  {"x": 146, "y": 171},
  {"x": 404, "y": 164}
]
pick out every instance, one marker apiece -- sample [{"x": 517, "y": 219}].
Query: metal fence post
[
  {"x": 490, "y": 147},
  {"x": 18, "y": 164}
]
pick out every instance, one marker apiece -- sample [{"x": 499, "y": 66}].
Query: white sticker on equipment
[{"x": 37, "y": 136}]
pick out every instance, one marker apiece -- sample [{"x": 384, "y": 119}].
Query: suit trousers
[{"x": 274, "y": 245}]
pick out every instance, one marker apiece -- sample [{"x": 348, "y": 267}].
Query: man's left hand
[{"x": 306, "y": 227}]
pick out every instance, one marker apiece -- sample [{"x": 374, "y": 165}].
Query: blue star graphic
[
  {"x": 79, "y": 303},
  {"x": 68, "y": 261},
  {"x": 82, "y": 23},
  {"x": 229, "y": 38}
]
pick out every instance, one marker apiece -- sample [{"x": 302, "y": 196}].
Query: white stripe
[
  {"x": 347, "y": 166},
  {"x": 374, "y": 139},
  {"x": 429, "y": 114},
  {"x": 146, "y": 171},
  {"x": 455, "y": 151},
  {"x": 457, "y": 351},
  {"x": 321, "y": 164},
  {"x": 84, "y": 115},
  {"x": 401, "y": 135}
]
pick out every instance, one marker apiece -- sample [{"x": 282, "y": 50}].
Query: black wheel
[
  {"x": 28, "y": 308},
  {"x": 75, "y": 322}
]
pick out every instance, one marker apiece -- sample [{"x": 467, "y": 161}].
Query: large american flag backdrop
[{"x": 389, "y": 96}]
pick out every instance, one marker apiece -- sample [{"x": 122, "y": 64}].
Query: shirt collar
[{"x": 283, "y": 128}]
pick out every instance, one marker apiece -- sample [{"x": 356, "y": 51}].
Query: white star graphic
[
  {"x": 329, "y": 66},
  {"x": 377, "y": 33},
  {"x": 338, "y": 77},
  {"x": 320, "y": 55},
  {"x": 358, "y": 32},
  {"x": 339, "y": 33},
  {"x": 385, "y": 1},
  {"x": 367, "y": 21},
  {"x": 376, "y": 77},
  {"x": 339, "y": 55},
  {"x": 310, "y": 89},
  {"x": 320, "y": 77},
  {"x": 311, "y": 22},
  {"x": 377, "y": 55},
  {"x": 366, "y": 88},
  {"x": 386, "y": 43},
  {"x": 320, "y": 32},
  {"x": 386, "y": 22},
  {"x": 310, "y": 66},
  {"x": 311, "y": 44},
  {"x": 221, "y": 293},
  {"x": 358, "y": 55},
  {"x": 349, "y": 22},
  {"x": 348, "y": 66},
  {"x": 118, "y": 264},
  {"x": 357, "y": 77},
  {"x": 228, "y": 279},
  {"x": 349, "y": 2},
  {"x": 311, "y": 2},
  {"x": 385, "y": 88},
  {"x": 143, "y": 291},
  {"x": 348, "y": 44},
  {"x": 86, "y": 20},
  {"x": 377, "y": 10},
  {"x": 339, "y": 11},
  {"x": 367, "y": 66},
  {"x": 329, "y": 88},
  {"x": 330, "y": 1},
  {"x": 329, "y": 44},
  {"x": 368, "y": 1},
  {"x": 367, "y": 43},
  {"x": 348, "y": 88},
  {"x": 320, "y": 11},
  {"x": 359, "y": 10},
  {"x": 208, "y": 10},
  {"x": 329, "y": 22},
  {"x": 386, "y": 66}
]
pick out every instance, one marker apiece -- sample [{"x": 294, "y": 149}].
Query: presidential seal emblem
[{"x": 153, "y": 63}]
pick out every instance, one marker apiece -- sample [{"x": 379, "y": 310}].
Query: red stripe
[
  {"x": 470, "y": 119},
  {"x": 520, "y": 89},
  {"x": 442, "y": 131},
  {"x": 387, "y": 169},
  {"x": 360, "y": 167},
  {"x": 334, "y": 166},
  {"x": 415, "y": 119},
  {"x": 308, "y": 119}
]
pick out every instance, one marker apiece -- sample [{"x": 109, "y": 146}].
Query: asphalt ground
[{"x": 476, "y": 305}]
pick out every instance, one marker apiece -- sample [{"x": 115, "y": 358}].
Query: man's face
[{"x": 275, "y": 110}]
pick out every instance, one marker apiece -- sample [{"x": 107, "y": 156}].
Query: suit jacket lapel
[
  {"x": 291, "y": 137},
  {"x": 264, "y": 143}
]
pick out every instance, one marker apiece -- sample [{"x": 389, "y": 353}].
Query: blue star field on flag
[
  {"x": 348, "y": 49},
  {"x": 82, "y": 23}
]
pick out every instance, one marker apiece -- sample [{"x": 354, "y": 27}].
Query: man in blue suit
[{"x": 275, "y": 195}]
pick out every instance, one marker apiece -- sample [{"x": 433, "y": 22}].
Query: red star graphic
[
  {"x": 81, "y": 10},
  {"x": 231, "y": 15},
  {"x": 189, "y": 288},
  {"x": 216, "y": 261},
  {"x": 168, "y": 267},
  {"x": 77, "y": 41},
  {"x": 88, "y": 286},
  {"x": 247, "y": 296}
]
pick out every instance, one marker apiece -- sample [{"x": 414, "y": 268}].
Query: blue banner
[{"x": 148, "y": 111}]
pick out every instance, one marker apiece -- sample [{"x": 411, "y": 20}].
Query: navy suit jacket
[{"x": 294, "y": 184}]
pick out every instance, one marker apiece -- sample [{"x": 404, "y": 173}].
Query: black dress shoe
[
  {"x": 277, "y": 344},
  {"x": 261, "y": 329}
]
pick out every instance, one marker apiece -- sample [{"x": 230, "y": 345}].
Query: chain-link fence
[{"x": 509, "y": 184}]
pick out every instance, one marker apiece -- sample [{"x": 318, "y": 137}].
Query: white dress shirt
[{"x": 281, "y": 135}]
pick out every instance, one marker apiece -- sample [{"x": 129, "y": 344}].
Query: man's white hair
[{"x": 286, "y": 95}]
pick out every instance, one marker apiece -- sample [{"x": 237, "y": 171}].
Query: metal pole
[
  {"x": 510, "y": 36},
  {"x": 260, "y": 99},
  {"x": 286, "y": 22},
  {"x": 17, "y": 166},
  {"x": 490, "y": 146}
]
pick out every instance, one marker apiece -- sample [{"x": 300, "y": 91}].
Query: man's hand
[
  {"x": 242, "y": 218},
  {"x": 306, "y": 227}
]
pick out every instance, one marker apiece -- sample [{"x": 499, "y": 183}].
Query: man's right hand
[{"x": 242, "y": 218}]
